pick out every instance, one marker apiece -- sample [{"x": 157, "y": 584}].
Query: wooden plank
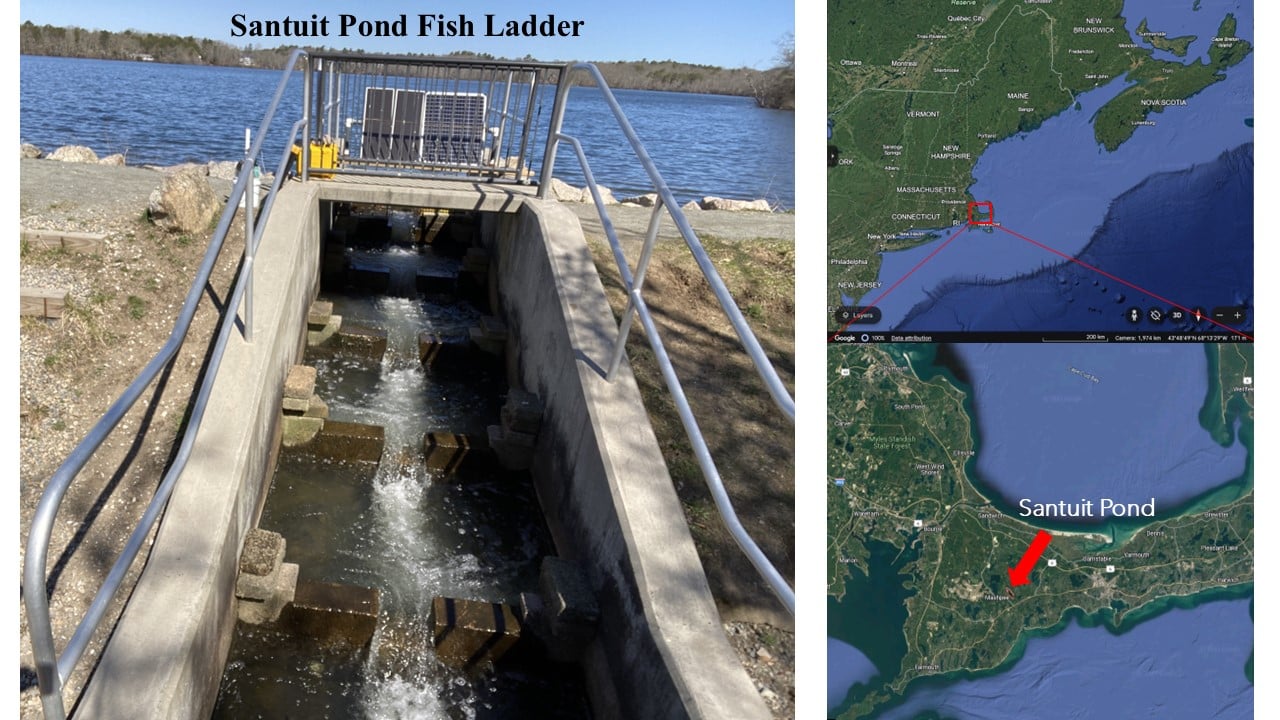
[
  {"x": 76, "y": 242},
  {"x": 43, "y": 302}
]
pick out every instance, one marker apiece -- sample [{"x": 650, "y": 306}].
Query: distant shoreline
[{"x": 773, "y": 88}]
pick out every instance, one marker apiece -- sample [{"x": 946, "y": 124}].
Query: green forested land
[
  {"x": 917, "y": 91},
  {"x": 1178, "y": 45},
  {"x": 901, "y": 444}
]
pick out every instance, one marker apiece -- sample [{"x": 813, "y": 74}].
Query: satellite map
[
  {"x": 1040, "y": 165},
  {"x": 1040, "y": 531}
]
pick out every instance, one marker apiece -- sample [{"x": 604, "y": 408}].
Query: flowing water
[{"x": 479, "y": 537}]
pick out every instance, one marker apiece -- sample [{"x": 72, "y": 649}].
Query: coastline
[{"x": 1225, "y": 422}]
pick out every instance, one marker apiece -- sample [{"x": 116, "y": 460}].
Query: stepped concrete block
[
  {"x": 491, "y": 335},
  {"x": 435, "y": 352},
  {"x": 300, "y": 383},
  {"x": 331, "y": 328},
  {"x": 279, "y": 592},
  {"x": 348, "y": 441},
  {"x": 431, "y": 283},
  {"x": 564, "y": 613},
  {"x": 369, "y": 277},
  {"x": 332, "y": 612},
  {"x": 294, "y": 406},
  {"x": 317, "y": 409},
  {"x": 318, "y": 314},
  {"x": 444, "y": 452},
  {"x": 514, "y": 450},
  {"x": 365, "y": 341},
  {"x": 297, "y": 430},
  {"x": 522, "y": 412},
  {"x": 571, "y": 609},
  {"x": 468, "y": 633},
  {"x": 262, "y": 553}
]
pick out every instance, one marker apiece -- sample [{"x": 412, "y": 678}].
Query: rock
[
  {"x": 606, "y": 195},
  {"x": 715, "y": 203},
  {"x": 691, "y": 206},
  {"x": 564, "y": 192},
  {"x": 197, "y": 168},
  {"x": 764, "y": 655},
  {"x": 115, "y": 159},
  {"x": 225, "y": 170},
  {"x": 31, "y": 151},
  {"x": 184, "y": 203},
  {"x": 646, "y": 200},
  {"x": 74, "y": 153}
]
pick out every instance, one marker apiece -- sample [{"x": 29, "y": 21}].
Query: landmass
[
  {"x": 917, "y": 92},
  {"x": 1161, "y": 41},
  {"x": 900, "y": 461}
]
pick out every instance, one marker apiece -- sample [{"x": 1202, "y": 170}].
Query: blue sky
[{"x": 730, "y": 34}]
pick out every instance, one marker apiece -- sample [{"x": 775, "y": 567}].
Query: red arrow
[{"x": 1021, "y": 575}]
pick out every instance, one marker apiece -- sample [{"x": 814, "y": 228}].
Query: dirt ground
[
  {"x": 750, "y": 440},
  {"x": 121, "y": 305}
]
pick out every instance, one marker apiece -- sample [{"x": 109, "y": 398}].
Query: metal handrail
[
  {"x": 636, "y": 306},
  {"x": 53, "y": 669}
]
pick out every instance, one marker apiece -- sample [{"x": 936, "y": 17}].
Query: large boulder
[
  {"x": 31, "y": 151},
  {"x": 74, "y": 153},
  {"x": 184, "y": 202},
  {"x": 564, "y": 192},
  {"x": 606, "y": 195},
  {"x": 715, "y": 203},
  {"x": 646, "y": 200},
  {"x": 224, "y": 170},
  {"x": 116, "y": 159}
]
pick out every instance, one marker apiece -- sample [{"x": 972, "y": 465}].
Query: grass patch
[{"x": 137, "y": 307}]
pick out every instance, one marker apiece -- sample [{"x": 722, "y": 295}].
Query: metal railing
[
  {"x": 53, "y": 668},
  {"x": 636, "y": 307},
  {"x": 428, "y": 117},
  {"x": 496, "y": 139}
]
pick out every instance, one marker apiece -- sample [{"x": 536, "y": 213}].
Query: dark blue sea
[
  {"x": 1057, "y": 185},
  {"x": 1079, "y": 420},
  {"x": 163, "y": 114}
]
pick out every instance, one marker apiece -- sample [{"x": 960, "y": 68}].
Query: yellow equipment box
[{"x": 323, "y": 155}]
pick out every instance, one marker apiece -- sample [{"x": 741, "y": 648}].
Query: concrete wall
[
  {"x": 661, "y": 651},
  {"x": 166, "y": 656}
]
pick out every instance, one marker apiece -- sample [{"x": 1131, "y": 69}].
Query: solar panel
[
  {"x": 453, "y": 129},
  {"x": 379, "y": 124}
]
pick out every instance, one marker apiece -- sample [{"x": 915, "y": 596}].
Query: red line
[
  {"x": 902, "y": 279},
  {"x": 1126, "y": 283}
]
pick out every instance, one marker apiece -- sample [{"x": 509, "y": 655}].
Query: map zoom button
[
  {"x": 1230, "y": 315},
  {"x": 858, "y": 315}
]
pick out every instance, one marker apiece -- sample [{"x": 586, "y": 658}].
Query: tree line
[{"x": 771, "y": 88}]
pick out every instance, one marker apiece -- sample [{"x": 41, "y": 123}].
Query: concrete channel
[{"x": 658, "y": 650}]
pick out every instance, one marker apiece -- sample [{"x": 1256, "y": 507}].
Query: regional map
[
  {"x": 1040, "y": 165},
  {"x": 1040, "y": 531}
]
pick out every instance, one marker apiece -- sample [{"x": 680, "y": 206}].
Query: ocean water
[
  {"x": 1068, "y": 421},
  {"x": 1185, "y": 237},
  {"x": 162, "y": 114},
  {"x": 1056, "y": 184}
]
